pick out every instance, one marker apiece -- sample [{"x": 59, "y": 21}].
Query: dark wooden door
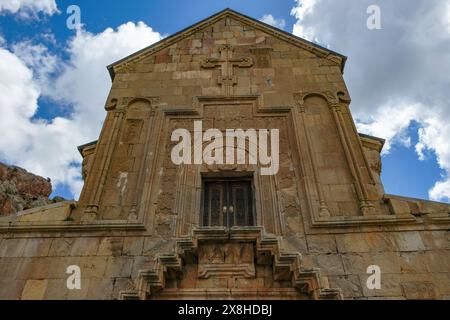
[{"x": 228, "y": 203}]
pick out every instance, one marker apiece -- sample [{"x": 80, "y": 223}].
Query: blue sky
[
  {"x": 380, "y": 78},
  {"x": 404, "y": 174},
  {"x": 166, "y": 17}
]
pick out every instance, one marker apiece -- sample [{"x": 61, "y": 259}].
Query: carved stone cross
[{"x": 226, "y": 62}]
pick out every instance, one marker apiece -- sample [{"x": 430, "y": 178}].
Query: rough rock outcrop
[{"x": 22, "y": 190}]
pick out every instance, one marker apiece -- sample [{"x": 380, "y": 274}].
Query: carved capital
[
  {"x": 90, "y": 214},
  {"x": 112, "y": 105},
  {"x": 300, "y": 103},
  {"x": 119, "y": 113},
  {"x": 344, "y": 97},
  {"x": 336, "y": 107}
]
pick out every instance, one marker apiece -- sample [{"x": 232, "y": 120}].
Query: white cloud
[
  {"x": 41, "y": 147},
  {"x": 395, "y": 75},
  {"x": 48, "y": 148},
  {"x": 300, "y": 11},
  {"x": 269, "y": 19},
  {"x": 447, "y": 17},
  {"x": 85, "y": 82},
  {"x": 26, "y": 8},
  {"x": 434, "y": 136},
  {"x": 391, "y": 122},
  {"x": 43, "y": 63}
]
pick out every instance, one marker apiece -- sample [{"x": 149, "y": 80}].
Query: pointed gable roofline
[{"x": 126, "y": 64}]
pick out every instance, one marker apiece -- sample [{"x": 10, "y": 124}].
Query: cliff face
[{"x": 21, "y": 190}]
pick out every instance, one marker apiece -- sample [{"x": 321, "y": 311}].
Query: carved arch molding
[{"x": 237, "y": 263}]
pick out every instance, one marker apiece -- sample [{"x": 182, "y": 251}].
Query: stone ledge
[
  {"x": 101, "y": 225},
  {"x": 56, "y": 218},
  {"x": 436, "y": 212},
  {"x": 358, "y": 221},
  {"x": 405, "y": 211},
  {"x": 372, "y": 142},
  {"x": 52, "y": 212}
]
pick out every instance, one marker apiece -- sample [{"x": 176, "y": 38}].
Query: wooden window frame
[{"x": 226, "y": 180}]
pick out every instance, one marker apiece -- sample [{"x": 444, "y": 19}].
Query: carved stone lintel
[
  {"x": 226, "y": 270},
  {"x": 226, "y": 260}
]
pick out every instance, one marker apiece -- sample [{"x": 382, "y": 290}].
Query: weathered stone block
[
  {"x": 110, "y": 247},
  {"x": 357, "y": 263},
  {"x": 409, "y": 241},
  {"x": 133, "y": 246},
  {"x": 85, "y": 247},
  {"x": 369, "y": 242},
  {"x": 436, "y": 239},
  {"x": 34, "y": 268},
  {"x": 12, "y": 247},
  {"x": 119, "y": 267},
  {"x": 414, "y": 262},
  {"x": 60, "y": 247},
  {"x": 419, "y": 290},
  {"x": 11, "y": 289},
  {"x": 92, "y": 267},
  {"x": 438, "y": 261},
  {"x": 34, "y": 290},
  {"x": 350, "y": 285},
  {"x": 100, "y": 289},
  {"x": 390, "y": 287},
  {"x": 37, "y": 247},
  {"x": 330, "y": 264},
  {"x": 321, "y": 244}
]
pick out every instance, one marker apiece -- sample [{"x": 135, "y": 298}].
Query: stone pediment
[
  {"x": 240, "y": 262},
  {"x": 128, "y": 63}
]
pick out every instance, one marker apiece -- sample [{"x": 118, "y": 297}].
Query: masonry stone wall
[
  {"x": 414, "y": 264},
  {"x": 322, "y": 220}
]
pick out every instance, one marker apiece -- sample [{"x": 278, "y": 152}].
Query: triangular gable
[{"x": 127, "y": 62}]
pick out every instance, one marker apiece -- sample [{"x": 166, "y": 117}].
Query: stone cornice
[
  {"x": 371, "y": 142},
  {"x": 25, "y": 227}
]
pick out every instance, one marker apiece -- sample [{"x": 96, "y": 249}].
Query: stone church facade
[{"x": 147, "y": 228}]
